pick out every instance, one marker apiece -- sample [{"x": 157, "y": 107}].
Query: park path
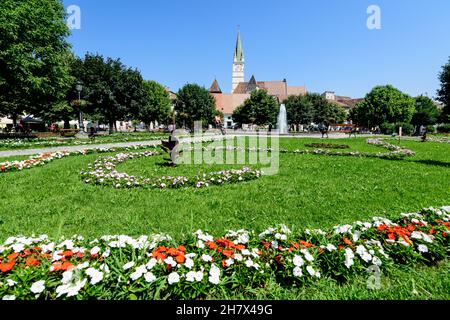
[{"x": 29, "y": 152}]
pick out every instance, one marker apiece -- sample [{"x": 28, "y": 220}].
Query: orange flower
[
  {"x": 172, "y": 251},
  {"x": 227, "y": 253},
  {"x": 67, "y": 253},
  {"x": 3, "y": 168},
  {"x": 391, "y": 236},
  {"x": 241, "y": 247},
  {"x": 347, "y": 242},
  {"x": 224, "y": 264},
  {"x": 31, "y": 261},
  {"x": 159, "y": 256},
  {"x": 211, "y": 244},
  {"x": 67, "y": 266},
  {"x": 57, "y": 266},
  {"x": 12, "y": 256},
  {"x": 382, "y": 227},
  {"x": 180, "y": 258},
  {"x": 291, "y": 249},
  {"x": 266, "y": 244},
  {"x": 182, "y": 248},
  {"x": 278, "y": 259},
  {"x": 79, "y": 255},
  {"x": 444, "y": 234},
  {"x": 5, "y": 267},
  {"x": 306, "y": 244},
  {"x": 340, "y": 247},
  {"x": 432, "y": 231}
]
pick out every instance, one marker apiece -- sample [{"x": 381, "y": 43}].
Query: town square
[{"x": 246, "y": 152}]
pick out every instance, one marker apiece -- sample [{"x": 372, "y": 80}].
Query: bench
[{"x": 68, "y": 132}]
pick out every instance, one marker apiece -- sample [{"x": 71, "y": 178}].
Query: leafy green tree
[
  {"x": 300, "y": 110},
  {"x": 384, "y": 104},
  {"x": 114, "y": 92},
  {"x": 426, "y": 113},
  {"x": 157, "y": 106},
  {"x": 34, "y": 73},
  {"x": 260, "y": 109},
  {"x": 324, "y": 111},
  {"x": 444, "y": 92},
  {"x": 194, "y": 103}
]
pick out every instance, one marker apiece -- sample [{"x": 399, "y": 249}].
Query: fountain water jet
[{"x": 282, "y": 120}]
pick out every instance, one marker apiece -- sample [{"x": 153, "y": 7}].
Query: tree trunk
[
  {"x": 66, "y": 124},
  {"x": 111, "y": 126},
  {"x": 115, "y": 126},
  {"x": 14, "y": 119}
]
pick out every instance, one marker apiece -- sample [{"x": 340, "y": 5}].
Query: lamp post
[{"x": 79, "y": 88}]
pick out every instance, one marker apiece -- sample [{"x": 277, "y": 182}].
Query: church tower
[{"x": 238, "y": 63}]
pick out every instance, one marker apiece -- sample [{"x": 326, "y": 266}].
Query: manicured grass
[{"x": 309, "y": 191}]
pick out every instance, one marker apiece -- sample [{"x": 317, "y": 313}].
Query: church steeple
[
  {"x": 238, "y": 52},
  {"x": 238, "y": 63}
]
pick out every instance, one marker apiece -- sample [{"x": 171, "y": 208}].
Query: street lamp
[{"x": 79, "y": 88}]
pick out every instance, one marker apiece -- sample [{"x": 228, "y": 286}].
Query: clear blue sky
[{"x": 323, "y": 44}]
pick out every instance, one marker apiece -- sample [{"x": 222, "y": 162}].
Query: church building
[{"x": 241, "y": 90}]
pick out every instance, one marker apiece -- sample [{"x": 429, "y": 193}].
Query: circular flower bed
[
  {"x": 327, "y": 146},
  {"x": 103, "y": 172},
  {"x": 122, "y": 267}
]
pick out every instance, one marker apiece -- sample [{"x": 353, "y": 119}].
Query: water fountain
[{"x": 282, "y": 120}]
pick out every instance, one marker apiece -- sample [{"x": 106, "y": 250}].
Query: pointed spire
[
  {"x": 215, "y": 88},
  {"x": 238, "y": 52}
]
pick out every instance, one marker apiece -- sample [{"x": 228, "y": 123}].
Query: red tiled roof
[{"x": 228, "y": 102}]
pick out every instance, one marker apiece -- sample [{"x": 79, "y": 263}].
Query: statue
[{"x": 171, "y": 147}]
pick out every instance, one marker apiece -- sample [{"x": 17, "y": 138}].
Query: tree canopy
[
  {"x": 194, "y": 103},
  {"x": 444, "y": 92},
  {"x": 426, "y": 112},
  {"x": 157, "y": 106},
  {"x": 299, "y": 109},
  {"x": 384, "y": 104},
  {"x": 260, "y": 109},
  {"x": 34, "y": 54}
]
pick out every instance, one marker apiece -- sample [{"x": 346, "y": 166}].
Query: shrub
[
  {"x": 387, "y": 128},
  {"x": 444, "y": 128}
]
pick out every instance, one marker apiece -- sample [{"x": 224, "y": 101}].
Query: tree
[
  {"x": 324, "y": 111},
  {"x": 157, "y": 106},
  {"x": 300, "y": 110},
  {"x": 260, "y": 109},
  {"x": 113, "y": 91},
  {"x": 194, "y": 103},
  {"x": 426, "y": 113},
  {"x": 444, "y": 92},
  {"x": 34, "y": 73},
  {"x": 384, "y": 104}
]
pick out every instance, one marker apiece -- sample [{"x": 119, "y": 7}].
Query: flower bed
[
  {"x": 327, "y": 146},
  {"x": 103, "y": 172},
  {"x": 44, "y": 158},
  {"x": 122, "y": 267}
]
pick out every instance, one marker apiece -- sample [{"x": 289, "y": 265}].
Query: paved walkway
[{"x": 29, "y": 152}]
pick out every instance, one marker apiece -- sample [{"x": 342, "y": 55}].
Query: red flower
[
  {"x": 180, "y": 258},
  {"x": 306, "y": 244},
  {"x": 391, "y": 236},
  {"x": 5, "y": 267},
  {"x": 211, "y": 244},
  {"x": 224, "y": 264},
  {"x": 12, "y": 256},
  {"x": 266, "y": 244},
  {"x": 347, "y": 242},
  {"x": 67, "y": 266},
  {"x": 227, "y": 253},
  {"x": 31, "y": 261},
  {"x": 444, "y": 234},
  {"x": 432, "y": 231},
  {"x": 278, "y": 259},
  {"x": 182, "y": 248},
  {"x": 67, "y": 253},
  {"x": 57, "y": 266},
  {"x": 172, "y": 251},
  {"x": 3, "y": 168}
]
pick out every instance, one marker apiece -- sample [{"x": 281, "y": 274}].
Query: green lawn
[{"x": 309, "y": 191}]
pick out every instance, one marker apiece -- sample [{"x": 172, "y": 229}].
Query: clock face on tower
[{"x": 238, "y": 67}]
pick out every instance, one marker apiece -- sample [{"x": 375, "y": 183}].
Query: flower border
[{"x": 122, "y": 267}]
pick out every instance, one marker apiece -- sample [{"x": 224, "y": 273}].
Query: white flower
[
  {"x": 298, "y": 261},
  {"x": 149, "y": 277},
  {"x": 349, "y": 257},
  {"x": 170, "y": 261},
  {"x": 191, "y": 276},
  {"x": 312, "y": 272},
  {"x": 151, "y": 263},
  {"x": 249, "y": 263},
  {"x": 376, "y": 261},
  {"x": 298, "y": 272},
  {"x": 422, "y": 248},
  {"x": 83, "y": 265},
  {"x": 96, "y": 276},
  {"x": 214, "y": 274},
  {"x": 128, "y": 265},
  {"x": 94, "y": 250},
  {"x": 229, "y": 262},
  {"x": 105, "y": 268},
  {"x": 38, "y": 286},
  {"x": 238, "y": 257},
  {"x": 11, "y": 283},
  {"x": 173, "y": 278},
  {"x": 206, "y": 258},
  {"x": 71, "y": 289},
  {"x": 308, "y": 256},
  {"x": 10, "y": 297},
  {"x": 189, "y": 263},
  {"x": 331, "y": 247}
]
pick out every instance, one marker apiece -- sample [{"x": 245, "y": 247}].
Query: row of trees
[{"x": 262, "y": 109}]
